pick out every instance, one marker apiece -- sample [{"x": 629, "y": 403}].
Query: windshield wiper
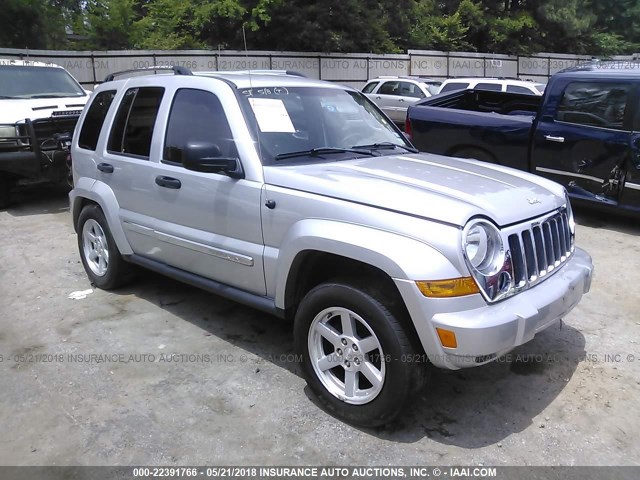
[
  {"x": 314, "y": 152},
  {"x": 5, "y": 97},
  {"x": 387, "y": 146}
]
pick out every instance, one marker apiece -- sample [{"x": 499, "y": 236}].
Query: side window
[
  {"x": 133, "y": 126},
  {"x": 197, "y": 116},
  {"x": 595, "y": 104},
  {"x": 94, "y": 119},
  {"x": 410, "y": 90},
  {"x": 369, "y": 87},
  {"x": 450, "y": 87},
  {"x": 389, "y": 88},
  {"x": 494, "y": 87},
  {"x": 519, "y": 89}
]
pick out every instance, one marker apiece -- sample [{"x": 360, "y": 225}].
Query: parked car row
[{"x": 394, "y": 94}]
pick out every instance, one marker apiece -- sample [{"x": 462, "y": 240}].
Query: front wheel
[
  {"x": 102, "y": 261},
  {"x": 355, "y": 354}
]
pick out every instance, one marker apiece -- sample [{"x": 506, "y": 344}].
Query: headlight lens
[
  {"x": 8, "y": 131},
  {"x": 483, "y": 248}
]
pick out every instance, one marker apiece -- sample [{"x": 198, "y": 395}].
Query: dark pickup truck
[{"x": 584, "y": 132}]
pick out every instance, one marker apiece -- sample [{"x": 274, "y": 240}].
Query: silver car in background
[{"x": 394, "y": 94}]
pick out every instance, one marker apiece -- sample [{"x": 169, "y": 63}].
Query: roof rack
[
  {"x": 258, "y": 72},
  {"x": 177, "y": 70}
]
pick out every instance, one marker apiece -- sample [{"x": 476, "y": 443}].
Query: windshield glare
[
  {"x": 43, "y": 82},
  {"x": 297, "y": 119}
]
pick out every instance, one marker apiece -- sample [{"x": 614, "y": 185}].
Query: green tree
[{"x": 31, "y": 24}]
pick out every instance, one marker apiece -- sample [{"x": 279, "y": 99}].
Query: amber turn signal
[
  {"x": 453, "y": 287},
  {"x": 447, "y": 338}
]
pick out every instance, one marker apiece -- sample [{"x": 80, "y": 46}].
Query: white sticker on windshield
[{"x": 272, "y": 115}]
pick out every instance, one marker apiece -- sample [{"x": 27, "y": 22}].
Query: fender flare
[
  {"x": 101, "y": 194},
  {"x": 399, "y": 256}
]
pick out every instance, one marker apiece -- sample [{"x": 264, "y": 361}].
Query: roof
[
  {"x": 238, "y": 79},
  {"x": 26, "y": 63},
  {"x": 246, "y": 79},
  {"x": 405, "y": 77},
  {"x": 610, "y": 68},
  {"x": 510, "y": 81}
]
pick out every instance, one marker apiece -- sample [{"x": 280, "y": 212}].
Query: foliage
[{"x": 596, "y": 27}]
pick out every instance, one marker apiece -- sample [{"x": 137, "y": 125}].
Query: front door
[{"x": 587, "y": 145}]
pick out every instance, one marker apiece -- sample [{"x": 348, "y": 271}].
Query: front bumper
[{"x": 486, "y": 332}]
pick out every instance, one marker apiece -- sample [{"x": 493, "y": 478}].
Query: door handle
[
  {"x": 168, "y": 182},
  {"x": 401, "y": 100},
  {"x": 551, "y": 138},
  {"x": 105, "y": 167},
  {"x": 378, "y": 97}
]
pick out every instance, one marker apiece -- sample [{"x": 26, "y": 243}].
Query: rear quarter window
[
  {"x": 494, "y": 87},
  {"x": 370, "y": 87},
  {"x": 450, "y": 87},
  {"x": 94, "y": 119},
  {"x": 519, "y": 89}
]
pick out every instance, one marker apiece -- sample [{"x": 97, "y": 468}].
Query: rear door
[
  {"x": 386, "y": 97},
  {"x": 586, "y": 143},
  {"x": 394, "y": 96},
  {"x": 204, "y": 223}
]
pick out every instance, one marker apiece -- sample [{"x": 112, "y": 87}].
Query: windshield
[
  {"x": 318, "y": 124},
  {"x": 37, "y": 82}
]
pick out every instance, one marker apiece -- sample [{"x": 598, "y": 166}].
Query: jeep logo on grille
[{"x": 64, "y": 113}]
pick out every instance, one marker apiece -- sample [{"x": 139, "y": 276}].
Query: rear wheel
[
  {"x": 102, "y": 261},
  {"x": 356, "y": 355}
]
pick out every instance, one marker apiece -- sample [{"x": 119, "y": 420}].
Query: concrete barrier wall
[{"x": 91, "y": 67}]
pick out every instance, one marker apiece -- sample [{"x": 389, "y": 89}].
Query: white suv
[
  {"x": 394, "y": 94},
  {"x": 493, "y": 84},
  {"x": 39, "y": 106}
]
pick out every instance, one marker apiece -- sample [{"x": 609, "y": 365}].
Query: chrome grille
[{"x": 540, "y": 248}]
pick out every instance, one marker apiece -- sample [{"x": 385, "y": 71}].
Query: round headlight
[{"x": 482, "y": 246}]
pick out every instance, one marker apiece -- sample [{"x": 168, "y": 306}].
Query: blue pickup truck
[{"x": 584, "y": 132}]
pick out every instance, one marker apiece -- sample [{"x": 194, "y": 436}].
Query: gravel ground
[{"x": 189, "y": 378}]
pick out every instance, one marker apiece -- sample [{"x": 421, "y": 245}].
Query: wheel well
[
  {"x": 311, "y": 268},
  {"x": 77, "y": 208}
]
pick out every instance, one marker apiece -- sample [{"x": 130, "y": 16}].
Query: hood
[
  {"x": 446, "y": 189},
  {"x": 17, "y": 110}
]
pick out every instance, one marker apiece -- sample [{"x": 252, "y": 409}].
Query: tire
[
  {"x": 102, "y": 261},
  {"x": 376, "y": 358}
]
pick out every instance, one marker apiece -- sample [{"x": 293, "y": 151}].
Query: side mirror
[{"x": 207, "y": 158}]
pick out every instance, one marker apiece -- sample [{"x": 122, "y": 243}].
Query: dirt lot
[{"x": 229, "y": 394}]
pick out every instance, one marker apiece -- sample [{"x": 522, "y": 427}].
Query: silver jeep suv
[{"x": 300, "y": 198}]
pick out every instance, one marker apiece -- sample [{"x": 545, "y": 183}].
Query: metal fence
[{"x": 91, "y": 67}]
